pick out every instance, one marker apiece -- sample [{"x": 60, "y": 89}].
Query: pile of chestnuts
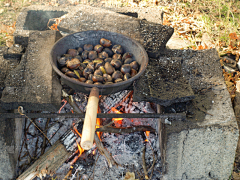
[{"x": 103, "y": 63}]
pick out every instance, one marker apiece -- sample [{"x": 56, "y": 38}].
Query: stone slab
[
  {"x": 204, "y": 145},
  {"x": 33, "y": 84},
  {"x": 163, "y": 83},
  {"x": 151, "y": 35}
]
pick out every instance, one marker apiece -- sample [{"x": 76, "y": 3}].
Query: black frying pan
[{"x": 93, "y": 37}]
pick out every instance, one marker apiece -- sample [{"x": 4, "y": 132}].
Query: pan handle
[{"x": 89, "y": 124}]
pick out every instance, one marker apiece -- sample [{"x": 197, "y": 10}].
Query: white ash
[{"x": 127, "y": 152}]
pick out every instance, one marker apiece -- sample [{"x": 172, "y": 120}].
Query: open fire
[{"x": 114, "y": 156}]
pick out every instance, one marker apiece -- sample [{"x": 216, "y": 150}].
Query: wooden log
[
  {"x": 48, "y": 163},
  {"x": 90, "y": 120}
]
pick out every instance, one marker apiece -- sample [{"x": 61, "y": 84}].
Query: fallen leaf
[
  {"x": 233, "y": 36},
  {"x": 9, "y": 43},
  {"x": 200, "y": 47},
  {"x": 1, "y": 11}
]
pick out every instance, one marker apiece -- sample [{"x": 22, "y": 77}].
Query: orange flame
[
  {"x": 98, "y": 122},
  {"x": 81, "y": 150},
  {"x": 118, "y": 120},
  {"x": 147, "y": 133},
  {"x": 76, "y": 131}
]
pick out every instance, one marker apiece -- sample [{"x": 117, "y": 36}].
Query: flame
[
  {"x": 118, "y": 120},
  {"x": 147, "y": 133},
  {"x": 76, "y": 131},
  {"x": 80, "y": 149},
  {"x": 98, "y": 122}
]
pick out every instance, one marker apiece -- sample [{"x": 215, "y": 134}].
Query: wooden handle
[{"x": 89, "y": 124}]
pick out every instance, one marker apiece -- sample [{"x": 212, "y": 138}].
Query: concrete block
[
  {"x": 151, "y": 35},
  {"x": 33, "y": 84},
  {"x": 204, "y": 145},
  {"x": 36, "y": 18}
]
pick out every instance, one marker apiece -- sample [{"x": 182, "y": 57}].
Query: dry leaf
[
  {"x": 233, "y": 36},
  {"x": 9, "y": 43}
]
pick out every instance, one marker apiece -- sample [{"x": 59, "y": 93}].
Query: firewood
[{"x": 48, "y": 163}]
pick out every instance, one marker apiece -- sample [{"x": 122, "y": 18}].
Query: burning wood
[{"x": 70, "y": 143}]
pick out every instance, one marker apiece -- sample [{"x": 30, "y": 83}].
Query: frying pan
[{"x": 93, "y": 37}]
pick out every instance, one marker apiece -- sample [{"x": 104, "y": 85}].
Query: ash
[{"x": 127, "y": 152}]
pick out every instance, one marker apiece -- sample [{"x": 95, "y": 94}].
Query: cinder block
[
  {"x": 204, "y": 145},
  {"x": 36, "y": 18},
  {"x": 33, "y": 84}
]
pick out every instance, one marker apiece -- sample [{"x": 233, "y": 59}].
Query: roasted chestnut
[
  {"x": 107, "y": 78},
  {"x": 134, "y": 65},
  {"x": 116, "y": 63},
  {"x": 92, "y": 55},
  {"x": 90, "y": 77},
  {"x": 62, "y": 61},
  {"x": 98, "y": 83},
  {"x": 127, "y": 55},
  {"x": 118, "y": 80},
  {"x": 84, "y": 55},
  {"x": 71, "y": 74},
  {"x": 97, "y": 78},
  {"x": 103, "y": 55},
  {"x": 98, "y": 48},
  {"x": 79, "y": 58},
  {"x": 109, "y": 83},
  {"x": 83, "y": 65},
  {"x": 82, "y": 79},
  {"x": 117, "y": 49},
  {"x": 133, "y": 72},
  {"x": 72, "y": 52},
  {"x": 73, "y": 63},
  {"x": 97, "y": 65},
  {"x": 109, "y": 68},
  {"x": 126, "y": 68},
  {"x": 80, "y": 50},
  {"x": 117, "y": 56},
  {"x": 98, "y": 72},
  {"x": 109, "y": 51},
  {"x": 128, "y": 61},
  {"x": 126, "y": 76},
  {"x": 116, "y": 75},
  {"x": 89, "y": 82},
  {"x": 86, "y": 61},
  {"x": 91, "y": 65},
  {"x": 64, "y": 70},
  {"x": 108, "y": 60},
  {"x": 105, "y": 42},
  {"x": 88, "y": 47},
  {"x": 87, "y": 71}
]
